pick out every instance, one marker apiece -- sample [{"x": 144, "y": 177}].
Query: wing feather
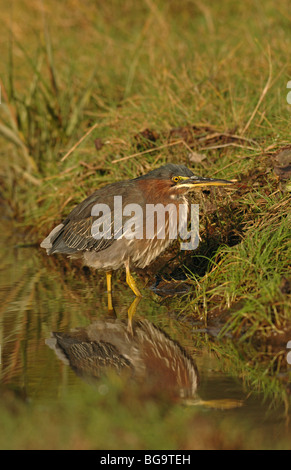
[{"x": 75, "y": 233}]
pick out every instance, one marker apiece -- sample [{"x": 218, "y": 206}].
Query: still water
[{"x": 56, "y": 335}]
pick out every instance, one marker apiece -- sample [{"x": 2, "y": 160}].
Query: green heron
[{"x": 114, "y": 247}]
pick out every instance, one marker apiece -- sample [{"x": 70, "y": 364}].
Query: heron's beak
[{"x": 198, "y": 181}]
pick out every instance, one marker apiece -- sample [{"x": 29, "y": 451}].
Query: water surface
[{"x": 56, "y": 335}]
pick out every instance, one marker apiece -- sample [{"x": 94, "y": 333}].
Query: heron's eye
[{"x": 176, "y": 179}]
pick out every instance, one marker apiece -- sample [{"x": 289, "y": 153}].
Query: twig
[
  {"x": 230, "y": 144},
  {"x": 239, "y": 137},
  {"x": 65, "y": 172},
  {"x": 80, "y": 141},
  {"x": 148, "y": 151},
  {"x": 221, "y": 169},
  {"x": 264, "y": 92}
]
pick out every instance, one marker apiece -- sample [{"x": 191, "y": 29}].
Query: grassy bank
[{"x": 97, "y": 92}]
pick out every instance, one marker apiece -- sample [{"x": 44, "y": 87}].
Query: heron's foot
[
  {"x": 131, "y": 312},
  {"x": 131, "y": 282}
]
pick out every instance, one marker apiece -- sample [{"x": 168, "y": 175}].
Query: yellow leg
[
  {"x": 131, "y": 312},
  {"x": 108, "y": 280},
  {"x": 110, "y": 303},
  {"x": 109, "y": 292},
  {"x": 131, "y": 282}
]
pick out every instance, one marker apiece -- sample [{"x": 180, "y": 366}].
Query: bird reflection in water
[
  {"x": 147, "y": 355},
  {"x": 143, "y": 353}
]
